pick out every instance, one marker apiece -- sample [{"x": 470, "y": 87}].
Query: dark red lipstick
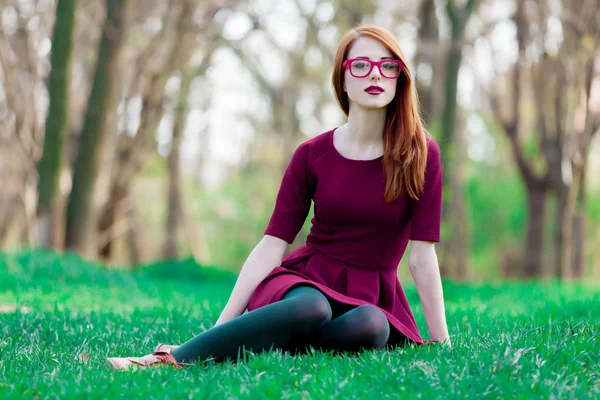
[{"x": 374, "y": 90}]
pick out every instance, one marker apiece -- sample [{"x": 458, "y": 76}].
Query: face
[{"x": 366, "y": 47}]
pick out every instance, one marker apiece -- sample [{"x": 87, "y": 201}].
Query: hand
[{"x": 446, "y": 342}]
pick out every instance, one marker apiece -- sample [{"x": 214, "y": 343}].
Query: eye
[
  {"x": 360, "y": 64},
  {"x": 390, "y": 65}
]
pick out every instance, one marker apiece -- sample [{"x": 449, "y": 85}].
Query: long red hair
[{"x": 404, "y": 134}]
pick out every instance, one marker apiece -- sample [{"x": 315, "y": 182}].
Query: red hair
[{"x": 404, "y": 134}]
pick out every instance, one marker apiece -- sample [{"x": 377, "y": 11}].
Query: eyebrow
[{"x": 383, "y": 58}]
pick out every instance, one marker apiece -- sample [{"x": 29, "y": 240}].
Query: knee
[
  {"x": 374, "y": 326},
  {"x": 314, "y": 312}
]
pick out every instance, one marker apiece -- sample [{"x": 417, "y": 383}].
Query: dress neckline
[{"x": 335, "y": 150}]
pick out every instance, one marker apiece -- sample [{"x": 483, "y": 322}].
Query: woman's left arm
[{"x": 424, "y": 267}]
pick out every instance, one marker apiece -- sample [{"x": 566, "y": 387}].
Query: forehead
[{"x": 365, "y": 46}]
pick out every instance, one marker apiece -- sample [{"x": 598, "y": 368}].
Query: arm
[
  {"x": 426, "y": 217},
  {"x": 289, "y": 214},
  {"x": 423, "y": 265},
  {"x": 267, "y": 255}
]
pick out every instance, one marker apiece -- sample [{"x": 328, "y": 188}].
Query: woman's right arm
[
  {"x": 267, "y": 255},
  {"x": 289, "y": 214}
]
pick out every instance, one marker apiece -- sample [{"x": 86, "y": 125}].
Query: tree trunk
[
  {"x": 175, "y": 206},
  {"x": 10, "y": 207},
  {"x": 80, "y": 227},
  {"x": 131, "y": 152},
  {"x": 534, "y": 241},
  {"x": 569, "y": 78},
  {"x": 530, "y": 263},
  {"x": 8, "y": 211},
  {"x": 118, "y": 194},
  {"x": 565, "y": 215},
  {"x": 49, "y": 167},
  {"x": 460, "y": 251},
  {"x": 23, "y": 226},
  {"x": 447, "y": 142},
  {"x": 427, "y": 55},
  {"x": 579, "y": 231},
  {"x": 136, "y": 243},
  {"x": 282, "y": 108},
  {"x": 578, "y": 240},
  {"x": 561, "y": 200},
  {"x": 563, "y": 233},
  {"x": 27, "y": 236}
]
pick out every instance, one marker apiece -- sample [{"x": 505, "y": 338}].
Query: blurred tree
[
  {"x": 80, "y": 212},
  {"x": 428, "y": 59},
  {"x": 187, "y": 34},
  {"x": 166, "y": 55},
  {"x": 116, "y": 214},
  {"x": 567, "y": 122},
  {"x": 48, "y": 209},
  {"x": 565, "y": 126},
  {"x": 454, "y": 255},
  {"x": 537, "y": 184},
  {"x": 22, "y": 31}
]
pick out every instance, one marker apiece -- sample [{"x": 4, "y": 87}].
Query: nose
[{"x": 375, "y": 73}]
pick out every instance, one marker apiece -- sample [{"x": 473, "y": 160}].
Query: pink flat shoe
[
  {"x": 165, "y": 347},
  {"x": 160, "y": 357}
]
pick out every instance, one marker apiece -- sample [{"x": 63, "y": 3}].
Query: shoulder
[
  {"x": 432, "y": 146},
  {"x": 313, "y": 148},
  {"x": 433, "y": 151}
]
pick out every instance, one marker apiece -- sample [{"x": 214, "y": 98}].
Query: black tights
[{"x": 303, "y": 317}]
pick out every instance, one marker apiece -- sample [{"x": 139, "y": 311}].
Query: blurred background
[{"x": 133, "y": 131}]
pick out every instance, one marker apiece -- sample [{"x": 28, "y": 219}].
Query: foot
[{"x": 159, "y": 358}]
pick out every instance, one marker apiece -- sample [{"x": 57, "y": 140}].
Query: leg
[
  {"x": 351, "y": 329},
  {"x": 361, "y": 327},
  {"x": 301, "y": 311}
]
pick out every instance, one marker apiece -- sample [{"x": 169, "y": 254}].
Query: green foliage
[
  {"x": 62, "y": 316},
  {"x": 49, "y": 271},
  {"x": 155, "y": 167},
  {"x": 498, "y": 212},
  {"x": 233, "y": 217},
  {"x": 236, "y": 215},
  {"x": 187, "y": 269},
  {"x": 592, "y": 209},
  {"x": 531, "y": 147}
]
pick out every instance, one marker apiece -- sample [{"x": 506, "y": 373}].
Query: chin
[
  {"x": 373, "y": 104},
  {"x": 368, "y": 102}
]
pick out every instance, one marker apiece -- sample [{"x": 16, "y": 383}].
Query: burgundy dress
[{"x": 356, "y": 240}]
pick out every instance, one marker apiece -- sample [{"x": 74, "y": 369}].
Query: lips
[{"x": 374, "y": 89}]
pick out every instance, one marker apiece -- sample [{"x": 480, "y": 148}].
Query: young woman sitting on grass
[{"x": 376, "y": 183}]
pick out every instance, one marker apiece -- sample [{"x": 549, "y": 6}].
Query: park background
[
  {"x": 142, "y": 144},
  {"x": 138, "y": 131}
]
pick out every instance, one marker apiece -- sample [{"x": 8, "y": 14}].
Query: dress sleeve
[
  {"x": 426, "y": 212},
  {"x": 294, "y": 197}
]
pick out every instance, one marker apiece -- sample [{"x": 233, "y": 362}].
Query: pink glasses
[{"x": 361, "y": 67}]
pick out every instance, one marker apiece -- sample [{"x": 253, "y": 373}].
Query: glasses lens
[
  {"x": 390, "y": 69},
  {"x": 360, "y": 68}
]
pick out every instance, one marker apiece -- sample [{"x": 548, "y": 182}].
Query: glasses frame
[{"x": 347, "y": 63}]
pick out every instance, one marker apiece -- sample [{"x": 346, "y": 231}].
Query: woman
[{"x": 376, "y": 183}]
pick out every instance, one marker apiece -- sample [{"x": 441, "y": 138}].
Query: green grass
[{"x": 510, "y": 340}]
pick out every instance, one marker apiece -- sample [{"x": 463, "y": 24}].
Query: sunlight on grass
[{"x": 61, "y": 317}]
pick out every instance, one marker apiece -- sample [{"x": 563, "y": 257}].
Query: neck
[{"x": 365, "y": 126}]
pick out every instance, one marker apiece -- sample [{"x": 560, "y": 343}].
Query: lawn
[{"x": 62, "y": 316}]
